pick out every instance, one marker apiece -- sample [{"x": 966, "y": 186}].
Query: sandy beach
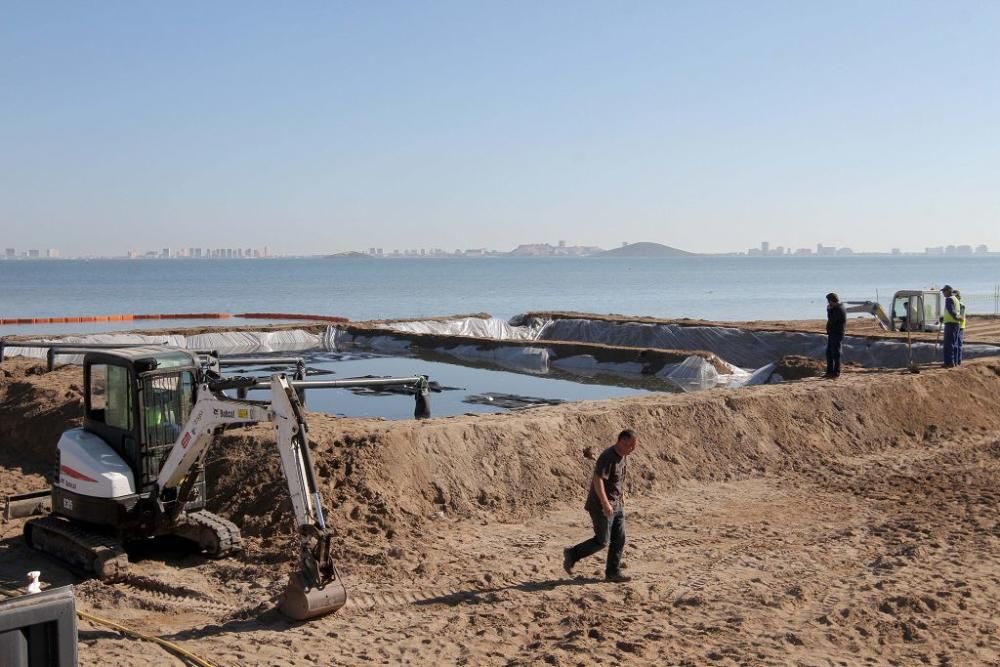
[{"x": 813, "y": 523}]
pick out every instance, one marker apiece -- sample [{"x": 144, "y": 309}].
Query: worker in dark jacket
[{"x": 836, "y": 321}]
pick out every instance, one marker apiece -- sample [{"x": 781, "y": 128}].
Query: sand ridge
[{"x": 817, "y": 522}]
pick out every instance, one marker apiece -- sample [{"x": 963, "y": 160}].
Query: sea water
[{"x": 709, "y": 287}]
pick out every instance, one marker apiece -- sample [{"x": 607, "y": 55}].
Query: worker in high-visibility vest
[
  {"x": 951, "y": 321},
  {"x": 960, "y": 343}
]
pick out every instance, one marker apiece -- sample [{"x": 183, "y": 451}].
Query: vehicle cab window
[
  {"x": 110, "y": 396},
  {"x": 167, "y": 401}
]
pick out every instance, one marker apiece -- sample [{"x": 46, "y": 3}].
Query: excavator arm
[
  {"x": 315, "y": 588},
  {"x": 872, "y": 308}
]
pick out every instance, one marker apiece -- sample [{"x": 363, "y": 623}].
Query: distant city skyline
[
  {"x": 561, "y": 248},
  {"x": 332, "y": 126}
]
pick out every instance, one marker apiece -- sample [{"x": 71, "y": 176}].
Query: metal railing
[
  {"x": 419, "y": 383},
  {"x": 215, "y": 361}
]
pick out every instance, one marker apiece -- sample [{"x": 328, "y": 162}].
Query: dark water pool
[{"x": 459, "y": 388}]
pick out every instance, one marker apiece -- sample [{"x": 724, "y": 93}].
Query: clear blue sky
[{"x": 327, "y": 126}]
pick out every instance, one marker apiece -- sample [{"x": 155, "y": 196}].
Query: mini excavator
[{"x": 135, "y": 470}]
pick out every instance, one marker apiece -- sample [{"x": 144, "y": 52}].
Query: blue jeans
[
  {"x": 959, "y": 342},
  {"x": 950, "y": 343},
  {"x": 608, "y": 533}
]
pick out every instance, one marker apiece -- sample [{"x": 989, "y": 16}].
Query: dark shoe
[
  {"x": 568, "y": 560},
  {"x": 618, "y": 578}
]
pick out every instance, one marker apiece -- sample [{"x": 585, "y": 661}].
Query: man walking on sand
[{"x": 605, "y": 503}]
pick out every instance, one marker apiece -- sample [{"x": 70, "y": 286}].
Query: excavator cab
[
  {"x": 916, "y": 310},
  {"x": 137, "y": 400}
]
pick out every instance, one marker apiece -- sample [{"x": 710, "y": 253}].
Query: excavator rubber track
[
  {"x": 90, "y": 551},
  {"x": 217, "y": 537}
]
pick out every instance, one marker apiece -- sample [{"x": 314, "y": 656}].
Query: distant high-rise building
[
  {"x": 10, "y": 253},
  {"x": 165, "y": 252},
  {"x": 825, "y": 250},
  {"x": 765, "y": 247},
  {"x": 982, "y": 249},
  {"x": 52, "y": 253},
  {"x": 34, "y": 253}
]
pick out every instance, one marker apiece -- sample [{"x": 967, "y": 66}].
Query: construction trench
[
  {"x": 690, "y": 355},
  {"x": 813, "y": 521}
]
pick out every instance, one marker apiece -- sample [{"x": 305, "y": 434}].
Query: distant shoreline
[{"x": 486, "y": 257}]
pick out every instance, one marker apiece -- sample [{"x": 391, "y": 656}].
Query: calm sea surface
[{"x": 728, "y": 288}]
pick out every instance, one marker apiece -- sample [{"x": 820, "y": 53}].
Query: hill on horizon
[
  {"x": 350, "y": 254},
  {"x": 645, "y": 249}
]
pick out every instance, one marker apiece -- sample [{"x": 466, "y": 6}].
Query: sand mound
[
  {"x": 794, "y": 367},
  {"x": 35, "y": 408},
  {"x": 842, "y": 522},
  {"x": 384, "y": 480}
]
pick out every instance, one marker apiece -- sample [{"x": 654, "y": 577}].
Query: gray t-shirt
[{"x": 611, "y": 468}]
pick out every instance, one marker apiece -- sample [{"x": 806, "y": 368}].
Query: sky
[{"x": 317, "y": 127}]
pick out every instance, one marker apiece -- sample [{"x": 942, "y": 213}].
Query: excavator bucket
[{"x": 302, "y": 602}]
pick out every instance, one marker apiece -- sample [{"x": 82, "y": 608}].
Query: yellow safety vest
[
  {"x": 961, "y": 315},
  {"x": 948, "y": 317},
  {"x": 154, "y": 417}
]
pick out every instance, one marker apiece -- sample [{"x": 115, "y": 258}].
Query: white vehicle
[
  {"x": 912, "y": 310},
  {"x": 134, "y": 470}
]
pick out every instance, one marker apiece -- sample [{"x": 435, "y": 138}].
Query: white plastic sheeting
[
  {"x": 477, "y": 327},
  {"x": 586, "y": 364},
  {"x": 762, "y": 375},
  {"x": 530, "y": 359},
  {"x": 748, "y": 349},
  {"x": 696, "y": 373},
  {"x": 227, "y": 342}
]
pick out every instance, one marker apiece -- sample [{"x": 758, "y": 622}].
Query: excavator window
[
  {"x": 111, "y": 396},
  {"x": 167, "y": 401}
]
